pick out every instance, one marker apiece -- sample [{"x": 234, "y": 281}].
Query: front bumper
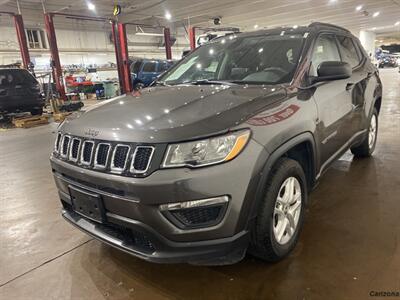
[{"x": 135, "y": 224}]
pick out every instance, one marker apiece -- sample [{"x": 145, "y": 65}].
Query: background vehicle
[
  {"x": 20, "y": 92},
  {"x": 220, "y": 158},
  {"x": 387, "y": 60},
  {"x": 145, "y": 71}
]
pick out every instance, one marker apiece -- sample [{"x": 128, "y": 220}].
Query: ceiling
[{"x": 240, "y": 13}]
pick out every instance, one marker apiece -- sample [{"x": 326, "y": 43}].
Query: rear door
[
  {"x": 332, "y": 100},
  {"x": 356, "y": 84}
]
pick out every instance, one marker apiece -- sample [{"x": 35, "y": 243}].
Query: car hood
[{"x": 169, "y": 114}]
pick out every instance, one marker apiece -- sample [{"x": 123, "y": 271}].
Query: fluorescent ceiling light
[
  {"x": 397, "y": 23},
  {"x": 91, "y": 6},
  {"x": 255, "y": 26},
  {"x": 296, "y": 26},
  {"x": 376, "y": 14},
  {"x": 168, "y": 15},
  {"x": 358, "y": 8},
  {"x": 149, "y": 34}
]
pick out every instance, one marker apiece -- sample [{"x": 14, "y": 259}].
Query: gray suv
[{"x": 218, "y": 156}]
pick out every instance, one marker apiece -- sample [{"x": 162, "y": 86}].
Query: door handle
[
  {"x": 349, "y": 86},
  {"x": 369, "y": 74}
]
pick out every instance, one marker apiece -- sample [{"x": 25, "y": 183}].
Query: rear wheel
[
  {"x": 280, "y": 218},
  {"x": 37, "y": 111},
  {"x": 367, "y": 147}
]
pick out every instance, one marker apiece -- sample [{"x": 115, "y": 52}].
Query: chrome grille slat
[
  {"x": 101, "y": 156},
  {"x": 141, "y": 159},
  {"x": 64, "y": 148},
  {"x": 74, "y": 150},
  {"x": 119, "y": 158},
  {"x": 58, "y": 142},
  {"x": 87, "y": 153}
]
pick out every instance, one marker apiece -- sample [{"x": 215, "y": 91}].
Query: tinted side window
[
  {"x": 135, "y": 67},
  {"x": 325, "y": 49},
  {"x": 149, "y": 67},
  {"x": 348, "y": 51}
]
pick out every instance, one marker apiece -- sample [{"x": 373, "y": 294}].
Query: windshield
[{"x": 262, "y": 59}]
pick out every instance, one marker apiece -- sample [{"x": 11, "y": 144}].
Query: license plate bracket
[{"x": 87, "y": 204}]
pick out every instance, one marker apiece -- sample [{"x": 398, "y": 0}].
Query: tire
[
  {"x": 139, "y": 86},
  {"x": 265, "y": 242},
  {"x": 367, "y": 147},
  {"x": 37, "y": 111}
]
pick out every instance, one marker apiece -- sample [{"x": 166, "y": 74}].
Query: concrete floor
[{"x": 348, "y": 248}]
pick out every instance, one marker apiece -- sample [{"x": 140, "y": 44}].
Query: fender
[{"x": 271, "y": 160}]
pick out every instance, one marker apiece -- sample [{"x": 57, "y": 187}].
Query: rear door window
[
  {"x": 348, "y": 51},
  {"x": 325, "y": 49}
]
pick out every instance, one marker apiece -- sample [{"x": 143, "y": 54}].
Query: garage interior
[{"x": 82, "y": 51}]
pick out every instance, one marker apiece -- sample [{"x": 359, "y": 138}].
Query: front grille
[
  {"x": 65, "y": 146},
  {"x": 199, "y": 216},
  {"x": 87, "y": 150},
  {"x": 73, "y": 154},
  {"x": 141, "y": 159},
  {"x": 104, "y": 156},
  {"x": 102, "y": 153}
]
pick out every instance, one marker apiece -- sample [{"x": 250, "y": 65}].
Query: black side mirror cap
[{"x": 332, "y": 70}]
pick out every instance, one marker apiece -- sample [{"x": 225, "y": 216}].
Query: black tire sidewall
[{"x": 283, "y": 250}]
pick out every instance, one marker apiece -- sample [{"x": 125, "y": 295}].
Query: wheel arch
[{"x": 293, "y": 149}]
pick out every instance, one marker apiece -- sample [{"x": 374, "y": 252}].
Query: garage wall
[{"x": 88, "y": 47}]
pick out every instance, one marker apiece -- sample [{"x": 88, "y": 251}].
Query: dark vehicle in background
[
  {"x": 20, "y": 92},
  {"x": 218, "y": 157},
  {"x": 388, "y": 61},
  {"x": 145, "y": 71}
]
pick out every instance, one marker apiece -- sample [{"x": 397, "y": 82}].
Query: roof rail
[{"x": 316, "y": 24}]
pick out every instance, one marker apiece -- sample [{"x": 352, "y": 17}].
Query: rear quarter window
[{"x": 11, "y": 77}]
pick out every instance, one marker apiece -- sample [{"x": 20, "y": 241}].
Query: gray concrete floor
[{"x": 349, "y": 245}]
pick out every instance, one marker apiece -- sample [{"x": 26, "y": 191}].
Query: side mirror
[{"x": 333, "y": 70}]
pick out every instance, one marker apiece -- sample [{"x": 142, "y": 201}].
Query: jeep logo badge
[{"x": 91, "y": 132}]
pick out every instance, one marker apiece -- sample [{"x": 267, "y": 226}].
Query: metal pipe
[
  {"x": 55, "y": 58},
  {"x": 192, "y": 37},
  {"x": 23, "y": 45},
  {"x": 125, "y": 64},
  {"x": 167, "y": 42},
  {"x": 114, "y": 31}
]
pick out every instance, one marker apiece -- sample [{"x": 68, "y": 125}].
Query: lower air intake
[{"x": 199, "y": 216}]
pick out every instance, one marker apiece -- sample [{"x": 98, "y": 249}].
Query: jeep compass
[{"x": 217, "y": 157}]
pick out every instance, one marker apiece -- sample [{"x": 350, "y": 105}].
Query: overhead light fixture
[
  {"x": 397, "y": 23},
  {"x": 91, "y": 6},
  {"x": 359, "y": 7},
  {"x": 167, "y": 15},
  {"x": 373, "y": 28},
  {"x": 376, "y": 14},
  {"x": 256, "y": 26},
  {"x": 295, "y": 26}
]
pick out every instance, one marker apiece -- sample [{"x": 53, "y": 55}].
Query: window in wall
[
  {"x": 36, "y": 39},
  {"x": 348, "y": 51},
  {"x": 325, "y": 49}
]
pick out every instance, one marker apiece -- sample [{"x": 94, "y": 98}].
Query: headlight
[{"x": 206, "y": 152}]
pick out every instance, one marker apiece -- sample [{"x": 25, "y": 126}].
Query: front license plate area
[{"x": 87, "y": 204}]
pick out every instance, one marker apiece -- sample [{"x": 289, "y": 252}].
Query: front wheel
[
  {"x": 367, "y": 147},
  {"x": 280, "y": 217}
]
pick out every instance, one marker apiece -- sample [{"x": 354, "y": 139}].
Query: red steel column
[
  {"x": 114, "y": 30},
  {"x": 51, "y": 36},
  {"x": 192, "y": 37},
  {"x": 167, "y": 41},
  {"x": 23, "y": 45},
  {"x": 123, "y": 46}
]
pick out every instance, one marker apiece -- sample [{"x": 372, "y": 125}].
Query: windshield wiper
[{"x": 206, "y": 81}]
